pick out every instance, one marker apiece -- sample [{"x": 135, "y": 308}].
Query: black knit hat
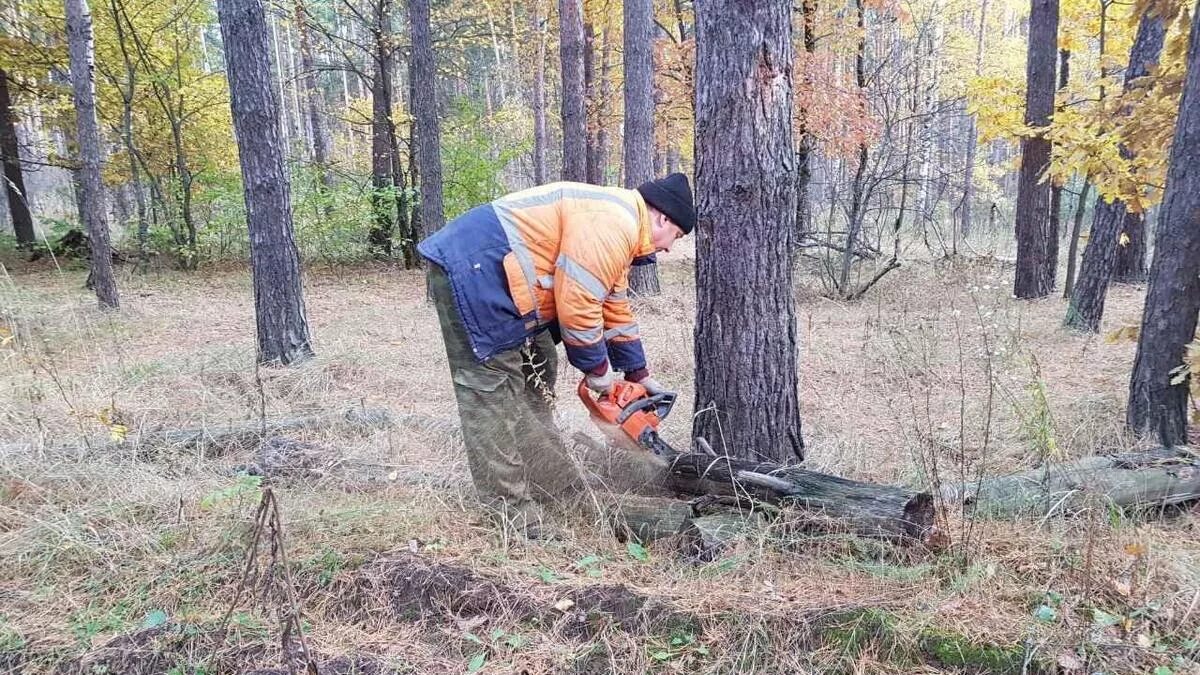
[{"x": 673, "y": 196}]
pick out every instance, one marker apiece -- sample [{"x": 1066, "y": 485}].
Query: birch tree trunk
[
  {"x": 745, "y": 336},
  {"x": 79, "y": 40},
  {"x": 278, "y": 295},
  {"x": 1158, "y": 404}
]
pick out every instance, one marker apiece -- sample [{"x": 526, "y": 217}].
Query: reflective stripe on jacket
[{"x": 555, "y": 253}]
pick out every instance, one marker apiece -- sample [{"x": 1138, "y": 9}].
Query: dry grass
[{"x": 94, "y": 541}]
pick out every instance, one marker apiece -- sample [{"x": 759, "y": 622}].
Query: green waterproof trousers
[{"x": 516, "y": 456}]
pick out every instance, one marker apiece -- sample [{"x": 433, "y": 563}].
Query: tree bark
[
  {"x": 1097, "y": 266},
  {"x": 1131, "y": 255},
  {"x": 14, "y": 179},
  {"x": 425, "y": 117},
  {"x": 639, "y": 117},
  {"x": 275, "y": 263},
  {"x": 574, "y": 112},
  {"x": 1035, "y": 239},
  {"x": 968, "y": 203},
  {"x": 539, "y": 98},
  {"x": 1173, "y": 297},
  {"x": 1073, "y": 245},
  {"x": 745, "y": 335},
  {"x": 591, "y": 101},
  {"x": 1056, "y": 191},
  {"x": 1156, "y": 478},
  {"x": 804, "y": 144},
  {"x": 866, "y": 509},
  {"x": 314, "y": 98},
  {"x": 857, "y": 196},
  {"x": 79, "y": 39},
  {"x": 382, "y": 198}
]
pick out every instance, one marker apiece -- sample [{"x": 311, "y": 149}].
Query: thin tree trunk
[
  {"x": 574, "y": 112},
  {"x": 1064, "y": 77},
  {"x": 539, "y": 98},
  {"x": 278, "y": 294},
  {"x": 382, "y": 197},
  {"x": 854, "y": 226},
  {"x": 14, "y": 179},
  {"x": 591, "y": 103},
  {"x": 745, "y": 341},
  {"x": 1073, "y": 245},
  {"x": 639, "y": 117},
  {"x": 425, "y": 115},
  {"x": 1035, "y": 266},
  {"x": 805, "y": 145},
  {"x": 314, "y": 98},
  {"x": 1086, "y": 308},
  {"x": 1158, "y": 397},
  {"x": 79, "y": 40},
  {"x": 968, "y": 203},
  {"x": 602, "y": 107}
]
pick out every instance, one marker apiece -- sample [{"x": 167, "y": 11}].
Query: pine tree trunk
[
  {"x": 382, "y": 201},
  {"x": 314, "y": 98},
  {"x": 804, "y": 144},
  {"x": 591, "y": 103},
  {"x": 1073, "y": 245},
  {"x": 425, "y": 116},
  {"x": 1035, "y": 240},
  {"x": 79, "y": 40},
  {"x": 1108, "y": 221},
  {"x": 1131, "y": 256},
  {"x": 278, "y": 296},
  {"x": 539, "y": 99},
  {"x": 14, "y": 179},
  {"x": 1064, "y": 77},
  {"x": 1156, "y": 406},
  {"x": 639, "y": 118},
  {"x": 745, "y": 336},
  {"x": 574, "y": 113},
  {"x": 602, "y": 108}
]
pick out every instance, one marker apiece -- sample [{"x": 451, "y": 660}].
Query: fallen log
[
  {"x": 1156, "y": 478},
  {"x": 866, "y": 509}
]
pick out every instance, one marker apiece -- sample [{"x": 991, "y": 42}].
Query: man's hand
[{"x": 600, "y": 383}]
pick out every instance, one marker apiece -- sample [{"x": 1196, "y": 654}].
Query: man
[{"x": 512, "y": 278}]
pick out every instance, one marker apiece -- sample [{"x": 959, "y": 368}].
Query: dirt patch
[
  {"x": 410, "y": 587},
  {"x": 598, "y": 609}
]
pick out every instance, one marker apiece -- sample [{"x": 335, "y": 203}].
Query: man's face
[{"x": 663, "y": 232}]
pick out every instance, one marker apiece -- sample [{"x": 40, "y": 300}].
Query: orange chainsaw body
[{"x": 631, "y": 408}]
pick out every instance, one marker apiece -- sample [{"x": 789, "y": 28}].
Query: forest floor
[{"x": 122, "y": 559}]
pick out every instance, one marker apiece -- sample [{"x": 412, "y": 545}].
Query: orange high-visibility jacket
[{"x": 555, "y": 254}]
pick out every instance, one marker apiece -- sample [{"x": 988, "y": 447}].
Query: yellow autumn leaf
[
  {"x": 1124, "y": 241},
  {"x": 1136, "y": 549},
  {"x": 118, "y": 432}
]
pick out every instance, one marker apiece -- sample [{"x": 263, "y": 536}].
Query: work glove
[
  {"x": 600, "y": 382},
  {"x": 642, "y": 377},
  {"x": 653, "y": 386}
]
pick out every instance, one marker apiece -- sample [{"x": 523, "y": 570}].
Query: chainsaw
[{"x": 634, "y": 411}]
